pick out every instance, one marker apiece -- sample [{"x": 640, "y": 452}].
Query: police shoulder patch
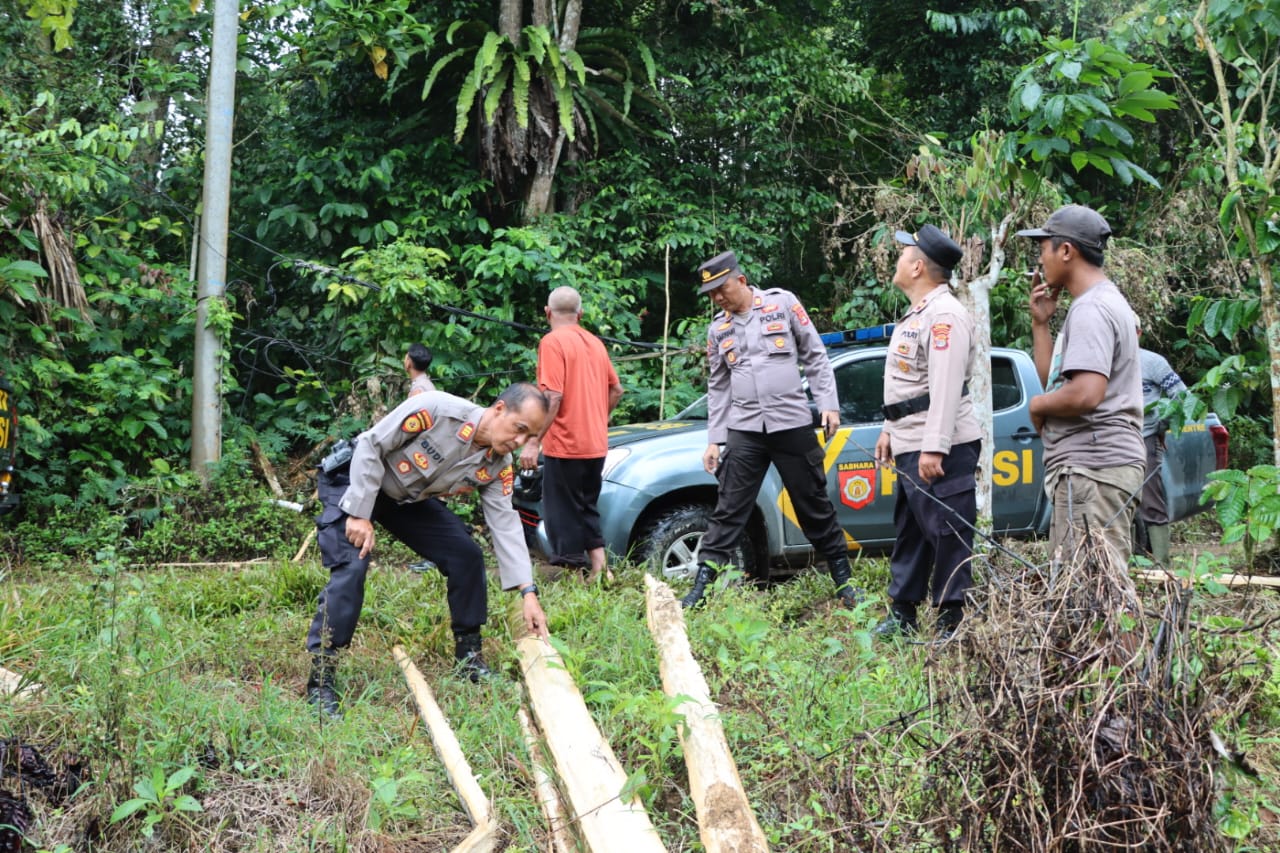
[
  {"x": 941, "y": 333},
  {"x": 419, "y": 421}
]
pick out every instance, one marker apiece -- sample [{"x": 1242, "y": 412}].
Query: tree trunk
[
  {"x": 1271, "y": 321},
  {"x": 979, "y": 293}
]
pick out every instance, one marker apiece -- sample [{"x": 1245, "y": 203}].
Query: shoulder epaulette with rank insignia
[
  {"x": 466, "y": 431},
  {"x": 419, "y": 421}
]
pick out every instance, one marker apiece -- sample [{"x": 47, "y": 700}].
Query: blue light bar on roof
[{"x": 867, "y": 335}]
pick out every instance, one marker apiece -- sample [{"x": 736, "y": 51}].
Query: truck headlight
[{"x": 613, "y": 458}]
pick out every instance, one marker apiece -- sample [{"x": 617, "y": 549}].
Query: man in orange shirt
[{"x": 577, "y": 377}]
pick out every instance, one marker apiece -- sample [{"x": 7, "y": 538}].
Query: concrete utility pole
[{"x": 206, "y": 404}]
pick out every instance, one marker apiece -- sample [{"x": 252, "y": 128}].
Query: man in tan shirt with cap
[
  {"x": 930, "y": 436},
  {"x": 1090, "y": 416}
]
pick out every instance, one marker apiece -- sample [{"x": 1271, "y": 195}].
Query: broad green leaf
[{"x": 1031, "y": 96}]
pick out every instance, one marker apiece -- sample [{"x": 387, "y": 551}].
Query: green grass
[{"x": 156, "y": 670}]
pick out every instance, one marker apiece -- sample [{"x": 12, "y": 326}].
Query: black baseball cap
[
  {"x": 936, "y": 245},
  {"x": 1076, "y": 223}
]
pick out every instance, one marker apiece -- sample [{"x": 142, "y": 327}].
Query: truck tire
[{"x": 670, "y": 547}]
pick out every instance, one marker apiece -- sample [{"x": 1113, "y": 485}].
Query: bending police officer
[{"x": 430, "y": 446}]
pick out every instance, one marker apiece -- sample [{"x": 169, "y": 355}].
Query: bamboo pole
[
  {"x": 726, "y": 823},
  {"x": 592, "y": 777},
  {"x": 544, "y": 785},
  {"x": 476, "y": 804}
]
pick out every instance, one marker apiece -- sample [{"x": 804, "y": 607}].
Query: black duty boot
[
  {"x": 704, "y": 578},
  {"x": 950, "y": 615},
  {"x": 848, "y": 594},
  {"x": 466, "y": 651},
  {"x": 901, "y": 621},
  {"x": 321, "y": 691}
]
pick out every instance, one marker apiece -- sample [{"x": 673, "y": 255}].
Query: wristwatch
[{"x": 525, "y": 590}]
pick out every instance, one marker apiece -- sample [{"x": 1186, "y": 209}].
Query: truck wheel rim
[{"x": 680, "y": 559}]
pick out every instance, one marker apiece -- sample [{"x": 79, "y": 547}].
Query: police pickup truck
[
  {"x": 8, "y": 447},
  {"x": 656, "y": 497}
]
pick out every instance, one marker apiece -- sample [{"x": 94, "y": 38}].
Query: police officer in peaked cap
[
  {"x": 930, "y": 436},
  {"x": 757, "y": 409}
]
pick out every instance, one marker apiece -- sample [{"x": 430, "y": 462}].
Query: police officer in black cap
[
  {"x": 930, "y": 436},
  {"x": 756, "y": 407}
]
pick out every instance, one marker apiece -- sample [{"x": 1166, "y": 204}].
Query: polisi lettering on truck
[{"x": 1008, "y": 467}]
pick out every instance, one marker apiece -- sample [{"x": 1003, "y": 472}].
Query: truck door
[
  {"x": 1017, "y": 473},
  {"x": 862, "y": 494}
]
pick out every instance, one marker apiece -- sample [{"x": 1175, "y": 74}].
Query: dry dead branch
[{"x": 1068, "y": 723}]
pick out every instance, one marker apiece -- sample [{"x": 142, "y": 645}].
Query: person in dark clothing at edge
[
  {"x": 756, "y": 407},
  {"x": 432, "y": 445},
  {"x": 931, "y": 437}
]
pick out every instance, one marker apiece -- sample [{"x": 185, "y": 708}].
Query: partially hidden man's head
[
  {"x": 418, "y": 358},
  {"x": 519, "y": 412},
  {"x": 721, "y": 278}
]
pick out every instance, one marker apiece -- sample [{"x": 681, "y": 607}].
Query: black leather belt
[{"x": 898, "y": 411}]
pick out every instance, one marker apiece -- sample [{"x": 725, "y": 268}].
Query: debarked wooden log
[
  {"x": 592, "y": 778},
  {"x": 726, "y": 823}
]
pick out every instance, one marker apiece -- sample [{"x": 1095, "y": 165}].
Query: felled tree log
[
  {"x": 484, "y": 837},
  {"x": 726, "y": 823},
  {"x": 548, "y": 796},
  {"x": 590, "y": 773}
]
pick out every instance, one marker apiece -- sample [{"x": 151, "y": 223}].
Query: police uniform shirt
[
  {"x": 932, "y": 352},
  {"x": 423, "y": 449},
  {"x": 754, "y": 383}
]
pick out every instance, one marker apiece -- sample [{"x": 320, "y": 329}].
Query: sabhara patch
[
  {"x": 941, "y": 333},
  {"x": 799, "y": 311},
  {"x": 420, "y": 459},
  {"x": 466, "y": 431},
  {"x": 419, "y": 421}
]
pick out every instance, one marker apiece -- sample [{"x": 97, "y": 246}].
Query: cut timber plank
[
  {"x": 726, "y": 823},
  {"x": 484, "y": 837},
  {"x": 592, "y": 777},
  {"x": 548, "y": 796},
  {"x": 1225, "y": 580},
  {"x": 12, "y": 682}
]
